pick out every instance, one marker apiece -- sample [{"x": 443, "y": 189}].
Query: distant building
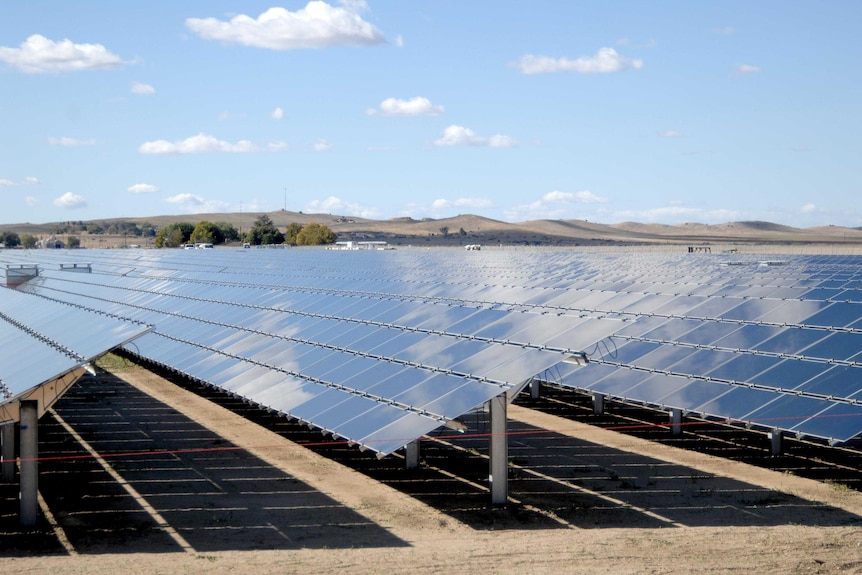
[{"x": 51, "y": 243}]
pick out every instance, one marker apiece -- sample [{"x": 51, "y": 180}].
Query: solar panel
[
  {"x": 43, "y": 340},
  {"x": 411, "y": 338}
]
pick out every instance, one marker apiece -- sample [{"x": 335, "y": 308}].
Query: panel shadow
[{"x": 214, "y": 495}]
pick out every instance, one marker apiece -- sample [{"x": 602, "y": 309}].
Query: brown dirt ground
[{"x": 267, "y": 505}]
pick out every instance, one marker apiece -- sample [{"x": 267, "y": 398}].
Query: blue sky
[{"x": 667, "y": 111}]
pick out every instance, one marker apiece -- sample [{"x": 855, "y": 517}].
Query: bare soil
[{"x": 186, "y": 485}]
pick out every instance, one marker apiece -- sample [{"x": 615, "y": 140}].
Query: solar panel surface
[
  {"x": 382, "y": 347},
  {"x": 43, "y": 339}
]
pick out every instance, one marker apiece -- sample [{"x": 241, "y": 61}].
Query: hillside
[{"x": 473, "y": 229}]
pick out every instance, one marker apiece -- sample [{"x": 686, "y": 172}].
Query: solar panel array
[
  {"x": 381, "y": 347},
  {"x": 354, "y": 344},
  {"x": 43, "y": 340}
]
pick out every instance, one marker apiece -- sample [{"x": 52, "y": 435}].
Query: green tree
[
  {"x": 292, "y": 231},
  {"x": 148, "y": 230},
  {"x": 73, "y": 242},
  {"x": 445, "y": 231},
  {"x": 10, "y": 239},
  {"x": 264, "y": 232},
  {"x": 205, "y": 233},
  {"x": 228, "y": 232},
  {"x": 28, "y": 241},
  {"x": 315, "y": 235},
  {"x": 174, "y": 235}
]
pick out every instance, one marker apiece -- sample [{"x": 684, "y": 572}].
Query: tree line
[
  {"x": 29, "y": 241},
  {"x": 263, "y": 232}
]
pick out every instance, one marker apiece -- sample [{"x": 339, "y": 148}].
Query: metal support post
[
  {"x": 7, "y": 452},
  {"x": 411, "y": 455},
  {"x": 498, "y": 450},
  {"x": 29, "y": 492},
  {"x": 535, "y": 388},
  {"x": 676, "y": 421},
  {"x": 776, "y": 441},
  {"x": 598, "y": 403}
]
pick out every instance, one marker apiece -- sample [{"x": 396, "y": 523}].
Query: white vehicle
[{"x": 204, "y": 246}]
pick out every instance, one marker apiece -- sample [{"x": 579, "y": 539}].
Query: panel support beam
[
  {"x": 7, "y": 452},
  {"x": 676, "y": 421},
  {"x": 411, "y": 455},
  {"x": 498, "y": 450},
  {"x": 29, "y": 492},
  {"x": 776, "y": 438},
  {"x": 535, "y": 388}
]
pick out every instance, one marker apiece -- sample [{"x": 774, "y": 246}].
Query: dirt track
[{"x": 233, "y": 496}]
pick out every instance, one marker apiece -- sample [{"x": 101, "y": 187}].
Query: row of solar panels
[
  {"x": 42, "y": 341},
  {"x": 374, "y": 370},
  {"x": 772, "y": 342}
]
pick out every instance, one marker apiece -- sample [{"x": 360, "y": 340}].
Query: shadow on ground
[
  {"x": 216, "y": 497},
  {"x": 557, "y": 480},
  {"x": 212, "y": 495}
]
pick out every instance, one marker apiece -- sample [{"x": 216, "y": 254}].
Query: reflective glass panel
[
  {"x": 838, "y": 381},
  {"x": 840, "y": 421},
  {"x": 743, "y": 367}
]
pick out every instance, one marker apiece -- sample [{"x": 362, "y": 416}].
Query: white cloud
[
  {"x": 205, "y": 143},
  {"x": 418, "y": 106},
  {"x": 399, "y": 41},
  {"x": 335, "y": 205},
  {"x": 38, "y": 55},
  {"x": 461, "y": 136},
  {"x": 747, "y": 69},
  {"x": 143, "y": 189},
  {"x": 470, "y": 203},
  {"x": 318, "y": 25},
  {"x": 552, "y": 205},
  {"x": 809, "y": 209},
  {"x": 277, "y": 114},
  {"x": 670, "y": 134},
  {"x": 605, "y": 61},
  {"x": 32, "y": 202},
  {"x": 70, "y": 201},
  {"x": 582, "y": 197},
  {"x": 678, "y": 214},
  {"x": 142, "y": 89},
  {"x": 28, "y": 181},
  {"x": 195, "y": 204},
  {"x": 726, "y": 31},
  {"x": 321, "y": 145},
  {"x": 70, "y": 142},
  {"x": 651, "y": 43}
]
